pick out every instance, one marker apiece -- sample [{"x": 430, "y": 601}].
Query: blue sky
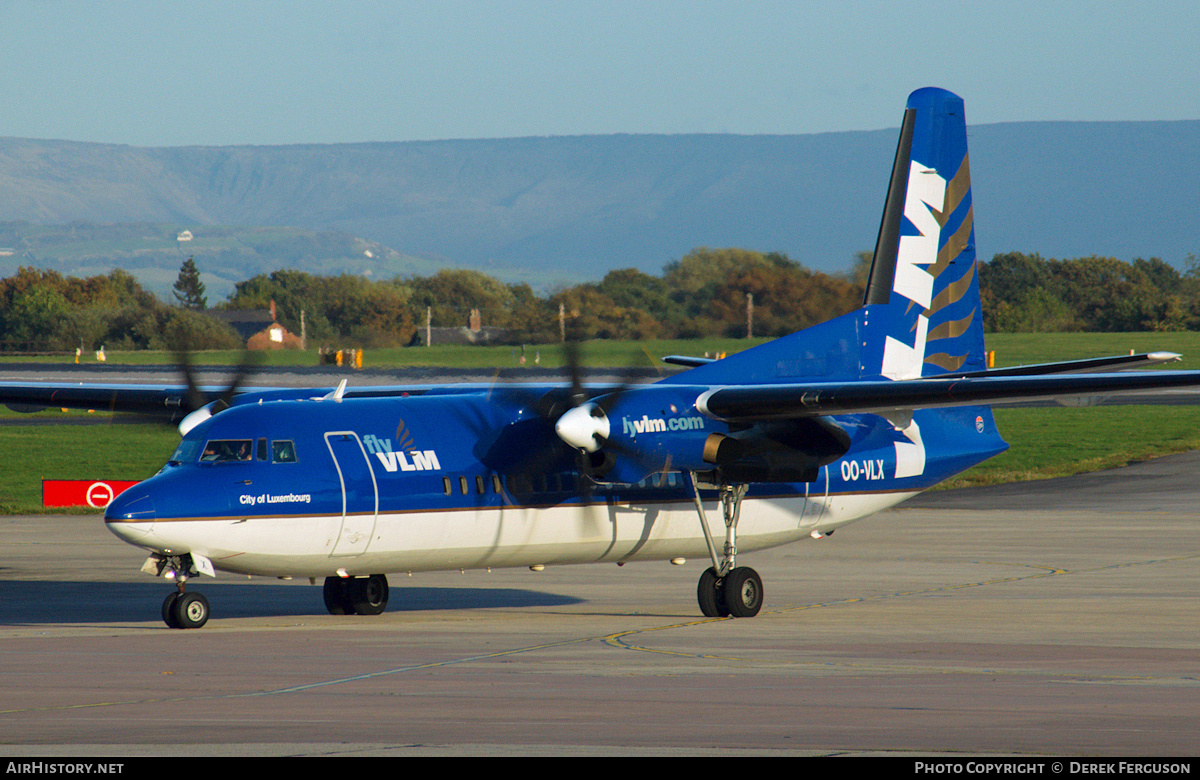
[{"x": 268, "y": 72}]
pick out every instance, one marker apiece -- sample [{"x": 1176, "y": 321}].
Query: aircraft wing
[
  {"x": 746, "y": 403},
  {"x": 163, "y": 400},
  {"x": 169, "y": 402}
]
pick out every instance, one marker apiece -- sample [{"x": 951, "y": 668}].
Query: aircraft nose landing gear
[
  {"x": 180, "y": 609},
  {"x": 185, "y": 610}
]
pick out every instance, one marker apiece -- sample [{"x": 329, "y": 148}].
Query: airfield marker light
[{"x": 678, "y": 561}]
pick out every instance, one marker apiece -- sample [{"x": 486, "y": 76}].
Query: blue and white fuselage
[{"x": 401, "y": 484}]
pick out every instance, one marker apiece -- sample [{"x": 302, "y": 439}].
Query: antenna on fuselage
[{"x": 336, "y": 395}]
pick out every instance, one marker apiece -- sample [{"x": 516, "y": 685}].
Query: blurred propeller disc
[{"x": 200, "y": 405}]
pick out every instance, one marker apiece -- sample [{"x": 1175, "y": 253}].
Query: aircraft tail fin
[
  {"x": 924, "y": 274},
  {"x": 921, "y": 311}
]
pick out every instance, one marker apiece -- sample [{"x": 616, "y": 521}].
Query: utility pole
[
  {"x": 749, "y": 315},
  {"x": 562, "y": 322}
]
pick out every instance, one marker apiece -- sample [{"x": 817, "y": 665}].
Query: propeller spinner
[{"x": 584, "y": 427}]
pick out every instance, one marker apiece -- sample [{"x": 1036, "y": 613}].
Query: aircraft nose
[{"x": 131, "y": 515}]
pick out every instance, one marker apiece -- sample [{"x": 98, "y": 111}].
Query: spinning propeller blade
[
  {"x": 200, "y": 404},
  {"x": 585, "y": 427}
]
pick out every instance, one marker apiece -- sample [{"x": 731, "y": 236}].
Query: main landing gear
[
  {"x": 726, "y": 589},
  {"x": 356, "y": 595}
]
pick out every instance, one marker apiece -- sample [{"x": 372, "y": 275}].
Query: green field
[
  {"x": 596, "y": 353},
  {"x": 1045, "y": 442},
  {"x": 1058, "y": 442},
  {"x": 1014, "y": 349},
  {"x": 112, "y": 451},
  {"x": 1010, "y": 348}
]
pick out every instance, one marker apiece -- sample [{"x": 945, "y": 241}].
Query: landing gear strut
[
  {"x": 356, "y": 595},
  {"x": 726, "y": 589}
]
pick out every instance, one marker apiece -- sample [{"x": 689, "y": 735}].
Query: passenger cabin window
[
  {"x": 224, "y": 450},
  {"x": 283, "y": 451}
]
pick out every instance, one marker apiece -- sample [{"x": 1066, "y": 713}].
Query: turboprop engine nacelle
[{"x": 793, "y": 451}]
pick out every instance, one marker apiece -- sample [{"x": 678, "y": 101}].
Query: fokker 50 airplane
[{"x": 793, "y": 438}]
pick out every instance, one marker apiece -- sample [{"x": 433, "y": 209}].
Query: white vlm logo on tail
[
  {"x": 901, "y": 361},
  {"x": 926, "y": 190}
]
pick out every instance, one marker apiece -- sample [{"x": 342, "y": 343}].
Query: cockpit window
[
  {"x": 186, "y": 452},
  {"x": 221, "y": 450},
  {"x": 282, "y": 451}
]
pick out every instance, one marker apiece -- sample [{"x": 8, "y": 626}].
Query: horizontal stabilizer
[
  {"x": 687, "y": 360},
  {"x": 1085, "y": 366}
]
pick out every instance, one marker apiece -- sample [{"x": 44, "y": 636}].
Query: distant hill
[
  {"x": 153, "y": 253},
  {"x": 565, "y": 209}
]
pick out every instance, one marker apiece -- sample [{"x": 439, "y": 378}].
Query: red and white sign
[{"x": 83, "y": 492}]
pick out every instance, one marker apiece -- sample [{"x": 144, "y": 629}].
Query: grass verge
[
  {"x": 31, "y": 453},
  {"x": 1058, "y": 442}
]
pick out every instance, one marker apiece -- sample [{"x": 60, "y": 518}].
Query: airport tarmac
[{"x": 1054, "y": 618}]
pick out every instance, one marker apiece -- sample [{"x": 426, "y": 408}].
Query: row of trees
[
  {"x": 44, "y": 311},
  {"x": 1026, "y": 293},
  {"x": 705, "y": 293},
  {"x": 701, "y": 294}
]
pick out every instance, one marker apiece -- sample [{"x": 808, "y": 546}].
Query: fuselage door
[{"x": 360, "y": 492}]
